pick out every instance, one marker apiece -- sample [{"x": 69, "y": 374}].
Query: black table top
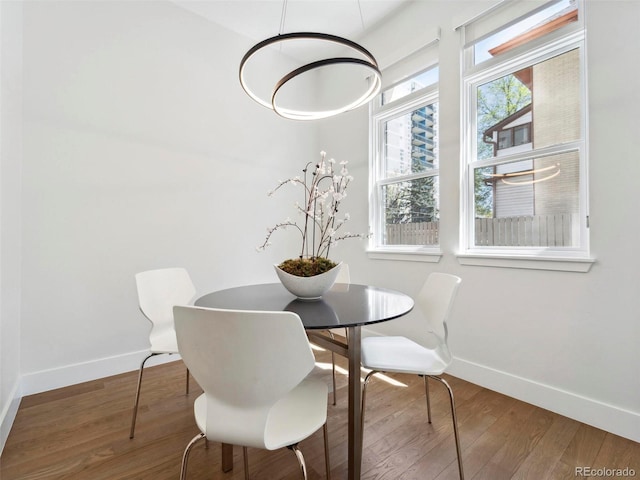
[{"x": 345, "y": 305}]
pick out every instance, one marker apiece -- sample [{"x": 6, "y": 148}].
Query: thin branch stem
[{"x": 323, "y": 193}]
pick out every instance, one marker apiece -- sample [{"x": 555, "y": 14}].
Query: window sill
[
  {"x": 562, "y": 264},
  {"x": 406, "y": 254}
]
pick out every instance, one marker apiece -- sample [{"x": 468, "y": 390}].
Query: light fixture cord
[
  {"x": 282, "y": 16},
  {"x": 361, "y": 17}
]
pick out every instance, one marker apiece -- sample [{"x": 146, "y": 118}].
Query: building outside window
[
  {"x": 405, "y": 164},
  {"x": 524, "y": 151}
]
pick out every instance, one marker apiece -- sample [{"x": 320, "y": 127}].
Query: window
[
  {"x": 404, "y": 88},
  {"x": 524, "y": 150},
  {"x": 405, "y": 206}
]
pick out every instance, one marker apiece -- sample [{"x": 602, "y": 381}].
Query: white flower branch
[{"x": 323, "y": 192}]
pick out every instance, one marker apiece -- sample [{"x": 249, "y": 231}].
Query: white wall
[
  {"x": 10, "y": 155},
  {"x": 565, "y": 341},
  {"x": 140, "y": 151}
]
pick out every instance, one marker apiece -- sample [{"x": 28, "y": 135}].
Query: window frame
[
  {"x": 379, "y": 114},
  {"x": 534, "y": 52}
]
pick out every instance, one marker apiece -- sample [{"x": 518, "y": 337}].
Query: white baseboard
[
  {"x": 610, "y": 418},
  {"x": 592, "y": 412},
  {"x": 59, "y": 377},
  {"x": 8, "y": 414}
]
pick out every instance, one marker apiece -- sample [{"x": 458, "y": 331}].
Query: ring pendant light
[
  {"x": 506, "y": 177},
  {"x": 368, "y": 62}
]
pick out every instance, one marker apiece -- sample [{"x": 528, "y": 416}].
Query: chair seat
[
  {"x": 164, "y": 342},
  {"x": 401, "y": 355},
  {"x": 292, "y": 419}
]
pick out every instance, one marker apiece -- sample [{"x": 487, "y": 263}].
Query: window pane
[
  {"x": 504, "y": 139},
  {"x": 531, "y": 202},
  {"x": 532, "y": 27},
  {"x": 411, "y": 212},
  {"x": 411, "y": 142},
  {"x": 521, "y": 135},
  {"x": 417, "y": 82},
  {"x": 535, "y": 107},
  {"x": 503, "y": 104}
]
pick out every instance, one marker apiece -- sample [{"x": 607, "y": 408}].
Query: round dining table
[{"x": 349, "y": 306}]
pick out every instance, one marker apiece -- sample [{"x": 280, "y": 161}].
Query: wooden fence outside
[
  {"x": 419, "y": 233},
  {"x": 526, "y": 231}
]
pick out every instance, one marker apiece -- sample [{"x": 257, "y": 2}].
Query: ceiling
[{"x": 260, "y": 19}]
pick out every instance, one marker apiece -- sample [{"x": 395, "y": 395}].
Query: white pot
[{"x": 308, "y": 288}]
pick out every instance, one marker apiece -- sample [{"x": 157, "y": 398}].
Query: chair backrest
[
  {"x": 343, "y": 274},
  {"x": 435, "y": 299},
  {"x": 245, "y": 361},
  {"x": 158, "y": 292}
]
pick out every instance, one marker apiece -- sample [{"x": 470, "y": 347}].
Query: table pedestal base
[{"x": 227, "y": 457}]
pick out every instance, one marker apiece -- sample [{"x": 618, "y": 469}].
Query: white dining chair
[
  {"x": 397, "y": 354},
  {"x": 158, "y": 292},
  {"x": 253, "y": 367}
]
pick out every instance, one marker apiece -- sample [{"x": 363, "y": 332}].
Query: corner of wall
[
  {"x": 10, "y": 212},
  {"x": 8, "y": 414}
]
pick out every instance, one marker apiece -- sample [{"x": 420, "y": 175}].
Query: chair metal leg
[
  {"x": 426, "y": 390},
  {"x": 364, "y": 396},
  {"x": 300, "y": 457},
  {"x": 187, "y": 381},
  {"x": 327, "y": 463},
  {"x": 185, "y": 455},
  {"x": 245, "y": 458},
  {"x": 453, "y": 411},
  {"x": 135, "y": 406},
  {"x": 455, "y": 422}
]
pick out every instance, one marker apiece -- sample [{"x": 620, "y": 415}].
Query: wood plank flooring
[{"x": 82, "y": 432}]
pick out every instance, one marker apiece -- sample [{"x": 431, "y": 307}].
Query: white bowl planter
[{"x": 308, "y": 288}]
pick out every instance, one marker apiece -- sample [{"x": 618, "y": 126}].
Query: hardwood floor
[{"x": 82, "y": 432}]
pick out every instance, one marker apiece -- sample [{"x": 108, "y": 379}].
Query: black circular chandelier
[{"x": 364, "y": 59}]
